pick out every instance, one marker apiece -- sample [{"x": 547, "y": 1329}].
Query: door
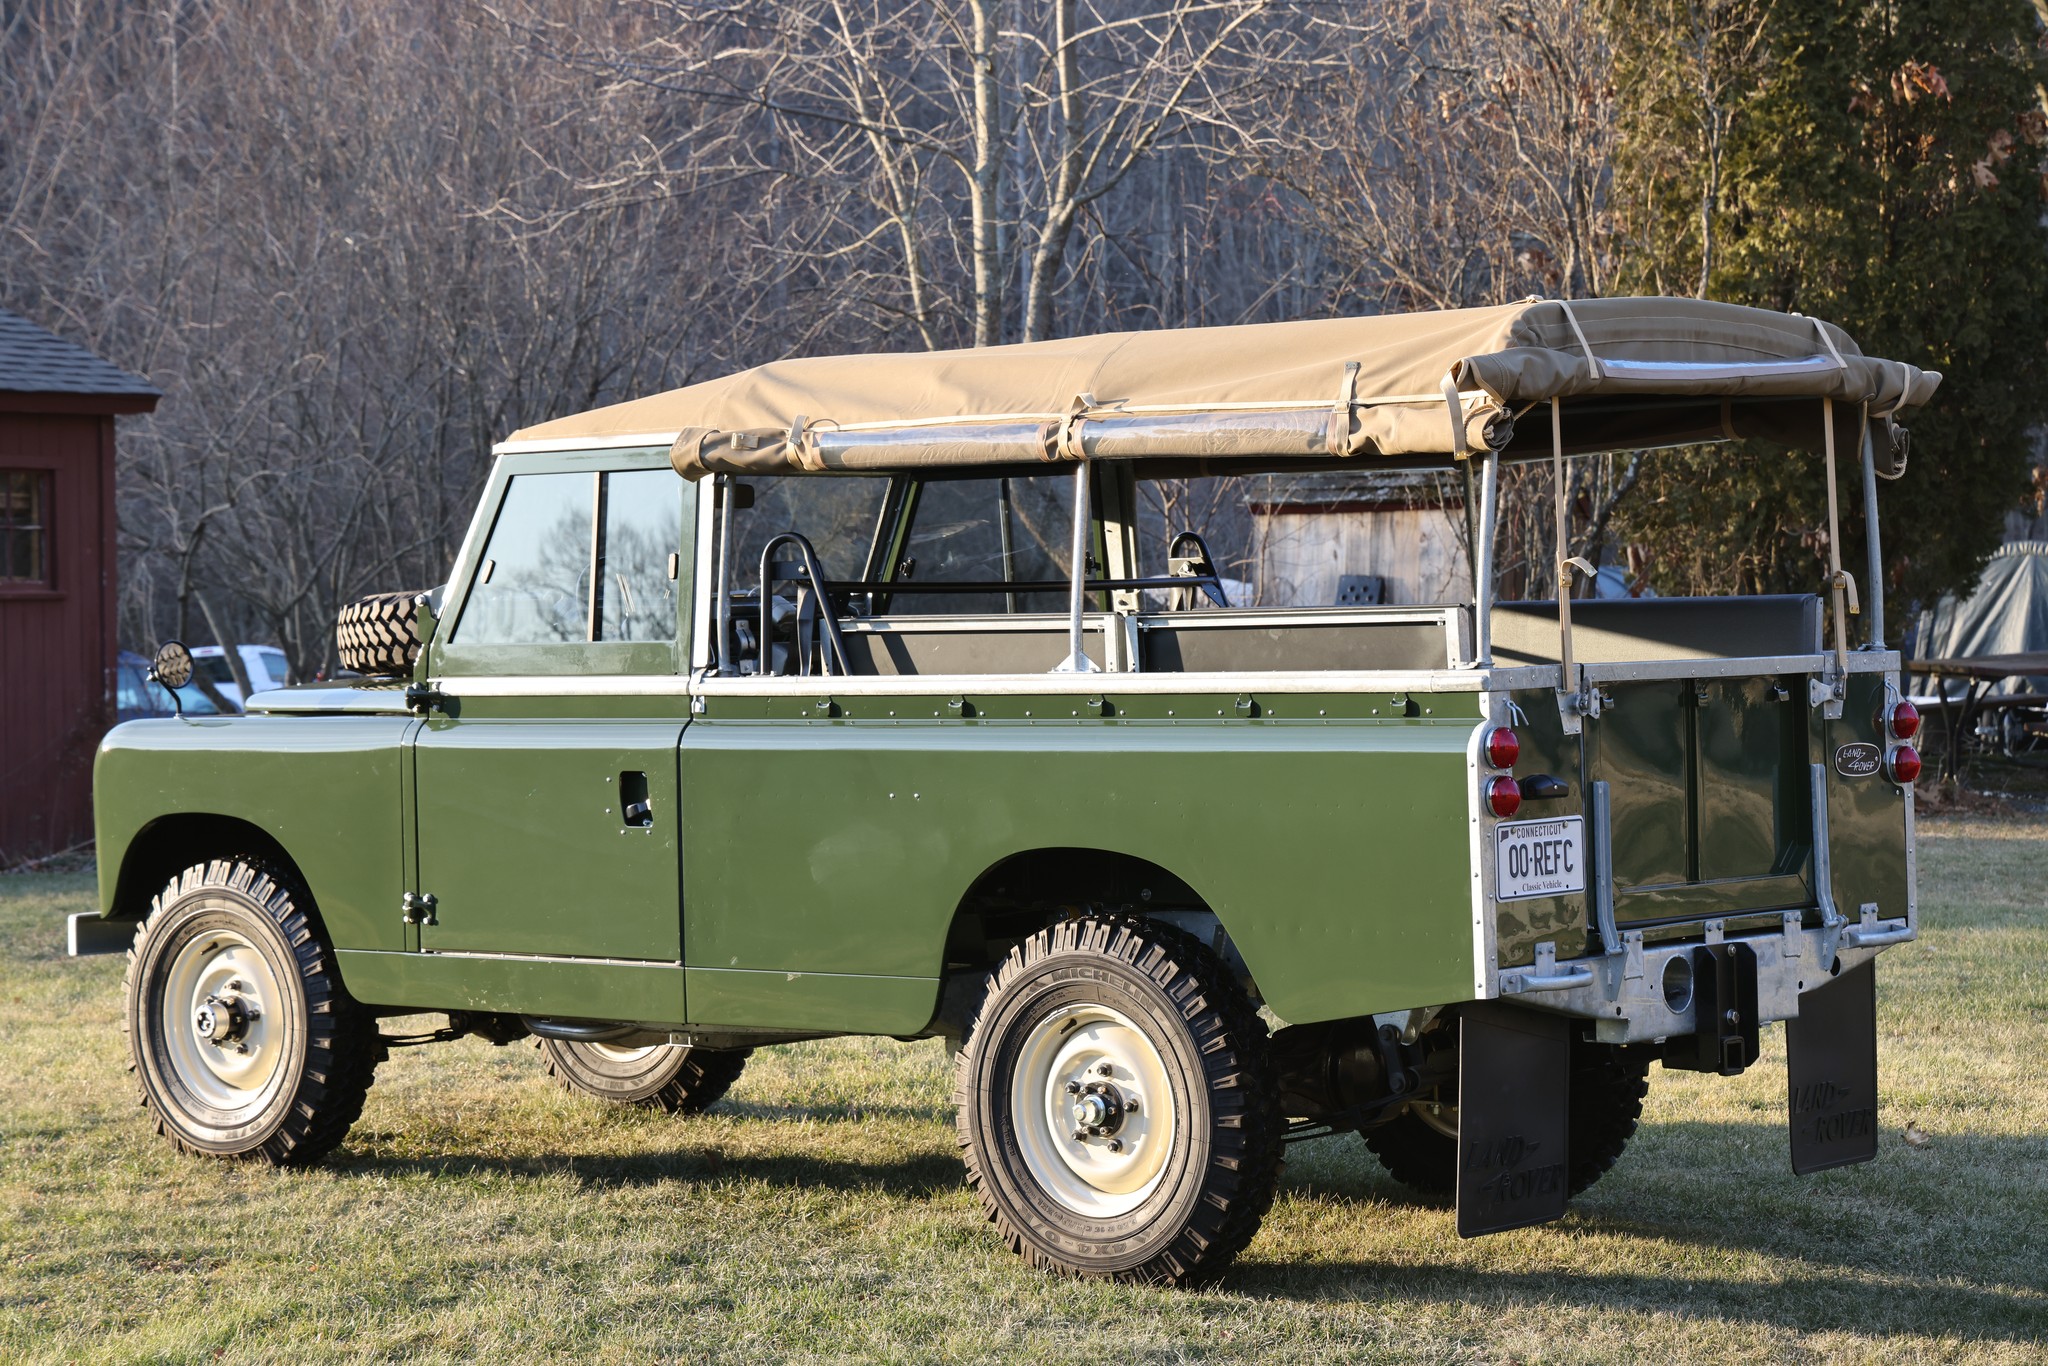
[{"x": 545, "y": 782}]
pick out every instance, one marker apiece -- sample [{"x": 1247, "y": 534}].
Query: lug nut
[
  {"x": 1116, "y": 1145},
  {"x": 1104, "y": 1069},
  {"x": 1080, "y": 1137},
  {"x": 1131, "y": 1104},
  {"x": 1073, "y": 1088}
]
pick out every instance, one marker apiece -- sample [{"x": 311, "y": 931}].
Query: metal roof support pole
[
  {"x": 723, "y": 485},
  {"x": 1077, "y": 661},
  {"x": 1841, "y": 585},
  {"x": 1482, "y": 559},
  {"x": 1873, "y": 570}
]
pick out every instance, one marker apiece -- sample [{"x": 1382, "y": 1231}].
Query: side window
[
  {"x": 533, "y": 586},
  {"x": 24, "y": 514},
  {"x": 642, "y": 530},
  {"x": 988, "y": 531},
  {"x": 836, "y": 515}
]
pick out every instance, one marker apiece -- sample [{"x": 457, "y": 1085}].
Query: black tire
[
  {"x": 241, "y": 1038},
  {"x": 1165, "y": 1015},
  {"x": 379, "y": 635},
  {"x": 669, "y": 1077},
  {"x": 1607, "y": 1090}
]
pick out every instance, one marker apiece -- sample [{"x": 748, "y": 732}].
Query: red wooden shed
[{"x": 58, "y": 402}]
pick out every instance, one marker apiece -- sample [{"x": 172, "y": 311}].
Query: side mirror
[{"x": 171, "y": 669}]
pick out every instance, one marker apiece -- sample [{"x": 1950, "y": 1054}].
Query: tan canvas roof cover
[{"x": 1638, "y": 372}]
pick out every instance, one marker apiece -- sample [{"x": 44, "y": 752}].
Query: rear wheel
[
  {"x": 1419, "y": 1147},
  {"x": 670, "y": 1077},
  {"x": 240, "y": 1036},
  {"x": 1117, "y": 1114}
]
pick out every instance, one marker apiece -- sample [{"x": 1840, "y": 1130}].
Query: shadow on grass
[
  {"x": 1811, "y": 1300},
  {"x": 852, "y": 1113},
  {"x": 702, "y": 1162},
  {"x": 1942, "y": 1279}
]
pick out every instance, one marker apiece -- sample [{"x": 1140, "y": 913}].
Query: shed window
[{"x": 24, "y": 512}]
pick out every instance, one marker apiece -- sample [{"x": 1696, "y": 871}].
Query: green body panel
[
  {"x": 1866, "y": 816},
  {"x": 825, "y": 1002},
  {"x": 523, "y": 842},
  {"x": 1712, "y": 807},
  {"x": 1710, "y": 799},
  {"x": 1335, "y": 854},
  {"x": 643, "y": 993},
  {"x": 327, "y": 788}
]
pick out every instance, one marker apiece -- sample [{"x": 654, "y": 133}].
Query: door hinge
[
  {"x": 418, "y": 908},
  {"x": 421, "y": 699}
]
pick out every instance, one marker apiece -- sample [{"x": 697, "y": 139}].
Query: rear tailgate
[{"x": 1710, "y": 770}]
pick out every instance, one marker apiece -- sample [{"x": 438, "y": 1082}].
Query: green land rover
[{"x": 845, "y": 696}]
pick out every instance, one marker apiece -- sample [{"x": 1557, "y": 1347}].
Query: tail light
[
  {"x": 1905, "y": 720},
  {"x": 1504, "y": 795},
  {"x": 1904, "y": 765},
  {"x": 1503, "y": 747}
]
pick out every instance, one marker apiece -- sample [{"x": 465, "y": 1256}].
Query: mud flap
[
  {"x": 1514, "y": 1068},
  {"x": 1831, "y": 1072}
]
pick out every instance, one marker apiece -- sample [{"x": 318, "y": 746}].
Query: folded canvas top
[{"x": 1405, "y": 390}]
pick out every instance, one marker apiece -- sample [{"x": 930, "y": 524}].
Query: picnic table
[{"x": 1979, "y": 674}]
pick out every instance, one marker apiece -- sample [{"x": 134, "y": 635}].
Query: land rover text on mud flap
[{"x": 861, "y": 695}]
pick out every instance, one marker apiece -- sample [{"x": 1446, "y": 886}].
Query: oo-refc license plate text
[{"x": 1540, "y": 858}]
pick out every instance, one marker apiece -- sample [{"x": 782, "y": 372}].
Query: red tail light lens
[
  {"x": 1503, "y": 747},
  {"x": 1504, "y": 795},
  {"x": 1905, "y": 765},
  {"x": 1905, "y": 720}
]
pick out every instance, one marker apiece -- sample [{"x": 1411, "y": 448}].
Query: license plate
[{"x": 1539, "y": 858}]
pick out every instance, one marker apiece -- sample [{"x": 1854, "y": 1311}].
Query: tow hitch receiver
[
  {"x": 1831, "y": 1071},
  {"x": 1724, "y": 1039},
  {"x": 1514, "y": 1068}
]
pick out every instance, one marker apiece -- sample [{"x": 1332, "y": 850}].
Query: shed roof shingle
[{"x": 36, "y": 361}]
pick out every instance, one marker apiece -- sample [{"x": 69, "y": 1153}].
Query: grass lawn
[{"x": 477, "y": 1213}]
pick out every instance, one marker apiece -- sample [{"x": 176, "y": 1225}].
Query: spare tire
[{"x": 379, "y": 634}]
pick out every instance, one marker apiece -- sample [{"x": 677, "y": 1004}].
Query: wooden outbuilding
[{"x": 58, "y": 402}]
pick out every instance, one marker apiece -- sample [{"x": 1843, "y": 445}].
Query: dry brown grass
[{"x": 476, "y": 1214}]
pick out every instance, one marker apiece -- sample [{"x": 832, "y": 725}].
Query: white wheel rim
[
  {"x": 1098, "y": 1174},
  {"x": 615, "y": 1053},
  {"x": 223, "y": 1021}
]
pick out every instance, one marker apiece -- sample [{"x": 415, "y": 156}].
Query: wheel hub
[
  {"x": 1099, "y": 1109},
  {"x": 223, "y": 1019}
]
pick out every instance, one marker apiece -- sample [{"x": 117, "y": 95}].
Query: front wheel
[
  {"x": 242, "y": 1041},
  {"x": 671, "y": 1077},
  {"x": 1116, "y": 1111}
]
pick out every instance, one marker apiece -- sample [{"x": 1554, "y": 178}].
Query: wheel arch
[
  {"x": 1025, "y": 891},
  {"x": 172, "y": 843}
]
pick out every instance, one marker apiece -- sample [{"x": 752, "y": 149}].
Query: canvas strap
[
  {"x": 1566, "y": 562},
  {"x": 1592, "y": 361},
  {"x": 1459, "y": 447},
  {"x": 1339, "y": 434}
]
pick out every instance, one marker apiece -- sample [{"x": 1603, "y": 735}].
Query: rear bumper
[{"x": 1637, "y": 995}]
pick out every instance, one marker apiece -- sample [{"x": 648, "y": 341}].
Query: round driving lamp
[
  {"x": 1904, "y": 765},
  {"x": 1504, "y": 795},
  {"x": 1503, "y": 747}
]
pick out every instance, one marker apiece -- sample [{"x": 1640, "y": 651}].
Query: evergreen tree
[{"x": 1879, "y": 165}]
